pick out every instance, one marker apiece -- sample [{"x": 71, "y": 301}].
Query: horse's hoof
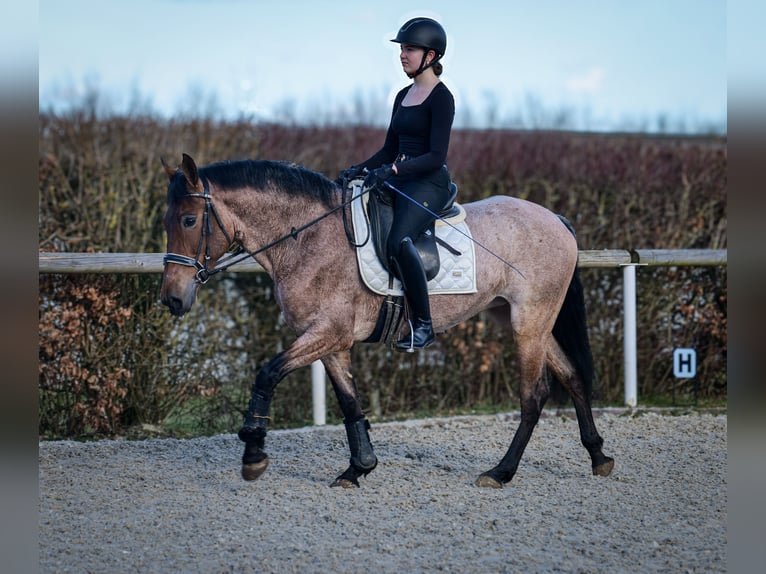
[
  {"x": 604, "y": 469},
  {"x": 254, "y": 470},
  {"x": 486, "y": 481},
  {"x": 344, "y": 483}
]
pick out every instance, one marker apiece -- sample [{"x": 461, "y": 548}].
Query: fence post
[
  {"x": 318, "y": 393},
  {"x": 629, "y": 329}
]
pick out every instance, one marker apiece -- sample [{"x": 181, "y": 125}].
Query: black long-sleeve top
[{"x": 420, "y": 132}]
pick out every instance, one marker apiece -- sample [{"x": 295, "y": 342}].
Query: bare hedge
[{"x": 112, "y": 359}]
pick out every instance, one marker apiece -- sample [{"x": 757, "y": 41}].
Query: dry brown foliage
[{"x": 111, "y": 358}]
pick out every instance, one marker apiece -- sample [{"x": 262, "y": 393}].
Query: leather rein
[{"x": 236, "y": 252}]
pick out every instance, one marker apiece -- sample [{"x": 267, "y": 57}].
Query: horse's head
[{"x": 197, "y": 236}]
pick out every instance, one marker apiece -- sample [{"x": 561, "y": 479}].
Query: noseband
[{"x": 203, "y": 272}]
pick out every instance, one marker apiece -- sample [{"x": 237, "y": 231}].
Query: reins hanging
[
  {"x": 237, "y": 252},
  {"x": 346, "y": 227},
  {"x": 240, "y": 256}
]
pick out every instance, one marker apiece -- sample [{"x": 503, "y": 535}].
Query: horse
[{"x": 291, "y": 220}]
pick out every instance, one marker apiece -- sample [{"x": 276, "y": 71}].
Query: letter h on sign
[{"x": 684, "y": 363}]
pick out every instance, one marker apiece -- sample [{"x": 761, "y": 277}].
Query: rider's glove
[
  {"x": 377, "y": 176},
  {"x": 348, "y": 174}
]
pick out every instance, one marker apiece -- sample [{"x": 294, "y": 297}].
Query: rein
[{"x": 236, "y": 252}]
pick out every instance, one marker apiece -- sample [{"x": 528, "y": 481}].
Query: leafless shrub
[{"x": 110, "y": 357}]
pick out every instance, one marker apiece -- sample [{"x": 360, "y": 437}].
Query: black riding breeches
[{"x": 410, "y": 219}]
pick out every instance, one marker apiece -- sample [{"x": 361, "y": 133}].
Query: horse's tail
[{"x": 571, "y": 330}]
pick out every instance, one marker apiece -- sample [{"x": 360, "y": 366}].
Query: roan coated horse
[{"x": 290, "y": 219}]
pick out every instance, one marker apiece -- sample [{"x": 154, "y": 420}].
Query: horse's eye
[{"x": 189, "y": 221}]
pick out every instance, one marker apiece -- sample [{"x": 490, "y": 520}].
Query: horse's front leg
[
  {"x": 253, "y": 431},
  {"x": 363, "y": 459}
]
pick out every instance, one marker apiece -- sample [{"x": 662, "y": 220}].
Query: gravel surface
[{"x": 168, "y": 505}]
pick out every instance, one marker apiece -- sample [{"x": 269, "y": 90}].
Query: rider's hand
[
  {"x": 378, "y": 176},
  {"x": 348, "y": 174}
]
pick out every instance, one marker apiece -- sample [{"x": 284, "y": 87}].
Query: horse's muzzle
[
  {"x": 175, "y": 305},
  {"x": 178, "y": 298}
]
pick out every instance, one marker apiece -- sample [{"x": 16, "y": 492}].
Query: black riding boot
[{"x": 413, "y": 278}]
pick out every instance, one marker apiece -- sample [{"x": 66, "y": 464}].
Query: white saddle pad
[{"x": 457, "y": 273}]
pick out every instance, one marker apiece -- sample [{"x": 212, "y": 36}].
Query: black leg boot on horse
[
  {"x": 253, "y": 434},
  {"x": 254, "y": 429},
  {"x": 363, "y": 460},
  {"x": 413, "y": 278}
]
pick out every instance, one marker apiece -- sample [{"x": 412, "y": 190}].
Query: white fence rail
[
  {"x": 627, "y": 259},
  {"x": 152, "y": 262}
]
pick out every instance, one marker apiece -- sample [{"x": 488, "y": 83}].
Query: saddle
[{"x": 380, "y": 210}]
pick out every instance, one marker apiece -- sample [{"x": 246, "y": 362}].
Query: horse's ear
[
  {"x": 168, "y": 170},
  {"x": 189, "y": 169}
]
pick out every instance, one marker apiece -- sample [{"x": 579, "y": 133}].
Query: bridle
[
  {"x": 236, "y": 252},
  {"x": 203, "y": 271}
]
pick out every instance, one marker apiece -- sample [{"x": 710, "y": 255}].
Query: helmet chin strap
[{"x": 423, "y": 66}]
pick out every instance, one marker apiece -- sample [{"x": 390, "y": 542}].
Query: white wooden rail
[
  {"x": 152, "y": 262},
  {"x": 627, "y": 259}
]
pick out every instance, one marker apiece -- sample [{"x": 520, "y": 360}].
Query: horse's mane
[
  {"x": 259, "y": 174},
  {"x": 285, "y": 176}
]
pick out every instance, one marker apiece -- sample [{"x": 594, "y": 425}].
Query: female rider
[{"x": 412, "y": 160}]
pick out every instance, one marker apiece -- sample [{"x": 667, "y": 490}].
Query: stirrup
[{"x": 402, "y": 345}]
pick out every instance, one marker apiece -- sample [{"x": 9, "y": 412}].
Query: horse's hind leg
[
  {"x": 573, "y": 382},
  {"x": 602, "y": 465},
  {"x": 534, "y": 392},
  {"x": 363, "y": 459}
]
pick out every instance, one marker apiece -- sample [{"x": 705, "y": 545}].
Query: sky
[{"x": 600, "y": 65}]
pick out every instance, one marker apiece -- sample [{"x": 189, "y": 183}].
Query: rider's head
[{"x": 427, "y": 34}]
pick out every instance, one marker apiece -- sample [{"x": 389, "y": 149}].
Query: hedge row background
[{"x": 114, "y": 362}]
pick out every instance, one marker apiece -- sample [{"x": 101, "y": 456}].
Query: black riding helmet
[{"x": 424, "y": 33}]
